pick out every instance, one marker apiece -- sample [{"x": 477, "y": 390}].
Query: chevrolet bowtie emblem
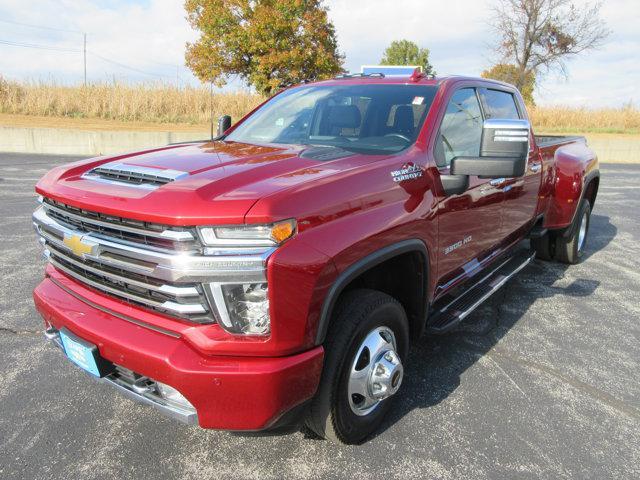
[{"x": 77, "y": 245}]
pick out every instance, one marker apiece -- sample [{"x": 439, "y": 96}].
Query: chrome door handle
[
  {"x": 535, "y": 167},
  {"x": 497, "y": 181}
]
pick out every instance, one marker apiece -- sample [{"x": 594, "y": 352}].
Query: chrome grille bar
[
  {"x": 168, "y": 281},
  {"x": 188, "y": 291},
  {"x": 155, "y": 235},
  {"x": 167, "y": 306}
]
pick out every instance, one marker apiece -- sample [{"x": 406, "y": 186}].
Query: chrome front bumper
[{"x": 142, "y": 390}]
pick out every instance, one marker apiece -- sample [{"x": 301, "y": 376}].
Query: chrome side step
[{"x": 453, "y": 312}]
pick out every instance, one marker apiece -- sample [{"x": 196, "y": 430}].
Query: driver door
[{"x": 469, "y": 224}]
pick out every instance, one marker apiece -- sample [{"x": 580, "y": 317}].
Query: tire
[
  {"x": 570, "y": 249},
  {"x": 360, "y": 315},
  {"x": 544, "y": 246}
]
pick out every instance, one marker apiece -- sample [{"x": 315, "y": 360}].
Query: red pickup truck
[{"x": 279, "y": 273}]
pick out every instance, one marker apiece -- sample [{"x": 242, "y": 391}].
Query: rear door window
[{"x": 499, "y": 104}]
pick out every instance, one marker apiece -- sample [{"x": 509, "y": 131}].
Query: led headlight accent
[
  {"x": 243, "y": 308},
  {"x": 248, "y": 235}
]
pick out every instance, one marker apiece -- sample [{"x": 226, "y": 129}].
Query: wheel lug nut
[{"x": 388, "y": 357}]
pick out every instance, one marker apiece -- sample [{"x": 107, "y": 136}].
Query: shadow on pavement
[{"x": 436, "y": 363}]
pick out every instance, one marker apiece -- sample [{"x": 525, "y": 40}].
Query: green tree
[
  {"x": 267, "y": 43},
  {"x": 505, "y": 72},
  {"x": 405, "y": 52}
]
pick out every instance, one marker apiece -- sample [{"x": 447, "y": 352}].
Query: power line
[
  {"x": 127, "y": 67},
  {"x": 40, "y": 27},
  {"x": 36, "y": 46},
  {"x": 69, "y": 50}
]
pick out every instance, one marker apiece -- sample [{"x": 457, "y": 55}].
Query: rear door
[
  {"x": 521, "y": 193},
  {"x": 469, "y": 224}
]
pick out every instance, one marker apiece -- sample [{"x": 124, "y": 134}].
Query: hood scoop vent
[{"x": 133, "y": 175}]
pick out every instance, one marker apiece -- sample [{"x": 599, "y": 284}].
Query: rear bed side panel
[{"x": 575, "y": 165}]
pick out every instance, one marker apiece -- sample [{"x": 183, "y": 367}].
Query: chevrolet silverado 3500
[{"x": 278, "y": 274}]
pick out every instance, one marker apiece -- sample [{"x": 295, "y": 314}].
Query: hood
[{"x": 191, "y": 184}]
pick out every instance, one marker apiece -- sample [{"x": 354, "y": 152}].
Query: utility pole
[{"x": 85, "y": 59}]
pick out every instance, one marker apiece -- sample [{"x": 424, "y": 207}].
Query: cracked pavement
[{"x": 542, "y": 381}]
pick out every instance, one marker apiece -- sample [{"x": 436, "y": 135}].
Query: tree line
[{"x": 271, "y": 44}]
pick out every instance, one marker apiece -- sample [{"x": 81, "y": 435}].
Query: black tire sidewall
[
  {"x": 586, "y": 208},
  {"x": 349, "y": 425},
  {"x": 567, "y": 248}
]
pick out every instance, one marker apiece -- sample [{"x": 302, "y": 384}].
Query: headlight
[
  {"x": 242, "y": 308},
  {"x": 248, "y": 235}
]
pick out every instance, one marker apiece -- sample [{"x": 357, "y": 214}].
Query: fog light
[{"x": 171, "y": 395}]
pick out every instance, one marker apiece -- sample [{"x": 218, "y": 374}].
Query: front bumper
[{"x": 227, "y": 392}]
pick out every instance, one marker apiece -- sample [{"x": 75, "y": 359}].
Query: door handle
[
  {"x": 489, "y": 187},
  {"x": 535, "y": 167}
]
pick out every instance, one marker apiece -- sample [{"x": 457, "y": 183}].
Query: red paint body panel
[
  {"x": 218, "y": 387},
  {"x": 574, "y": 164},
  {"x": 345, "y": 209}
]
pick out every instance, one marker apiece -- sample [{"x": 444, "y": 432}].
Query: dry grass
[
  {"x": 583, "y": 120},
  {"x": 164, "y": 104},
  {"x": 139, "y": 103}
]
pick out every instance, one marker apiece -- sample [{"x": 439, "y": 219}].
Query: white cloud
[
  {"x": 149, "y": 35},
  {"x": 459, "y": 36}
]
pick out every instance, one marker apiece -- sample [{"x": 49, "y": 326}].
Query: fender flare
[
  {"x": 361, "y": 266},
  {"x": 585, "y": 186}
]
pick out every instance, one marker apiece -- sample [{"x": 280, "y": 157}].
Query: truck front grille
[
  {"x": 116, "y": 268},
  {"x": 129, "y": 230},
  {"x": 184, "y": 301},
  {"x": 157, "y": 267}
]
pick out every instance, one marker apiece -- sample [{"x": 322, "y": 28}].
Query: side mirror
[
  {"x": 503, "y": 152},
  {"x": 224, "y": 123}
]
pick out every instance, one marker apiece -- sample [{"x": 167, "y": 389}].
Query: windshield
[{"x": 373, "y": 119}]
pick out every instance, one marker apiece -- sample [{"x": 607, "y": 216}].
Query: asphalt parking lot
[{"x": 543, "y": 381}]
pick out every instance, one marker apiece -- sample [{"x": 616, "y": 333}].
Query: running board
[{"x": 451, "y": 314}]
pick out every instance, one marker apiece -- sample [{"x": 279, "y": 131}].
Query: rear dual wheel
[
  {"x": 570, "y": 249},
  {"x": 567, "y": 246},
  {"x": 365, "y": 349}
]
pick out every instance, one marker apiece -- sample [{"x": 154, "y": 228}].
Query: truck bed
[{"x": 553, "y": 140}]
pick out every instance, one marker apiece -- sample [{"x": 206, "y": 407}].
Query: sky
[{"x": 143, "y": 40}]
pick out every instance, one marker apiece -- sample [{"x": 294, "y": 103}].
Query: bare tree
[{"x": 539, "y": 35}]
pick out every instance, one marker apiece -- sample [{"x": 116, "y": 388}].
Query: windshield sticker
[{"x": 418, "y": 100}]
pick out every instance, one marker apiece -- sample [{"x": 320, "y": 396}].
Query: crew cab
[{"x": 279, "y": 273}]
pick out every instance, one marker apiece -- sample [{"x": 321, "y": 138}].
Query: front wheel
[
  {"x": 570, "y": 249},
  {"x": 366, "y": 346}
]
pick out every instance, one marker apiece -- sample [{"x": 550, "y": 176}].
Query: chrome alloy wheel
[
  {"x": 376, "y": 372},
  {"x": 583, "y": 231}
]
